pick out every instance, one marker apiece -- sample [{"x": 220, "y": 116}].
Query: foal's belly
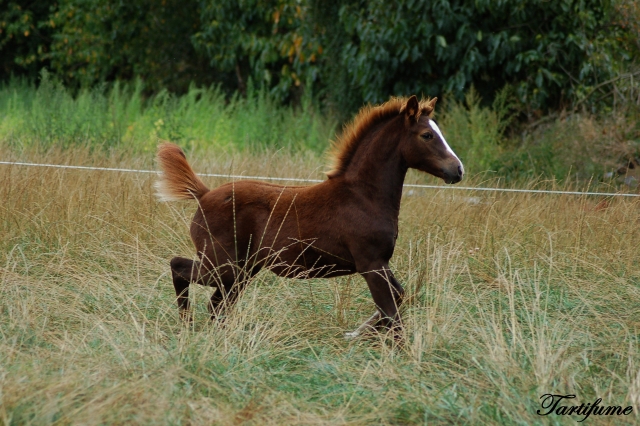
[{"x": 310, "y": 264}]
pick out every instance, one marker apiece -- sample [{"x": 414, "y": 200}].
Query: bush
[{"x": 578, "y": 147}]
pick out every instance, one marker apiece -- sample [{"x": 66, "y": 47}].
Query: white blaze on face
[{"x": 436, "y": 129}]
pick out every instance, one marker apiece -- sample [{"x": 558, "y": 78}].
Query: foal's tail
[{"x": 178, "y": 180}]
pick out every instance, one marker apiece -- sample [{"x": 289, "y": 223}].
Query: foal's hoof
[
  {"x": 352, "y": 335},
  {"x": 361, "y": 332},
  {"x": 218, "y": 319},
  {"x": 371, "y": 333},
  {"x": 186, "y": 317}
]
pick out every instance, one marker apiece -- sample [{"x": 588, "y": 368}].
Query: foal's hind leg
[
  {"x": 182, "y": 272},
  {"x": 231, "y": 282}
]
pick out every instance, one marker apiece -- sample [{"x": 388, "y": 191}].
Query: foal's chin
[
  {"x": 448, "y": 178},
  {"x": 452, "y": 180}
]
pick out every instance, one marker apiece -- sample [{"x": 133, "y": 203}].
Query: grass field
[{"x": 510, "y": 297}]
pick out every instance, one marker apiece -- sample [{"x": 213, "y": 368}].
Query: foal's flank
[{"x": 347, "y": 224}]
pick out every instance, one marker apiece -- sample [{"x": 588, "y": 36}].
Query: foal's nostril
[{"x": 460, "y": 171}]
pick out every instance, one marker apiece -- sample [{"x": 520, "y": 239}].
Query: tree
[
  {"x": 106, "y": 40},
  {"x": 24, "y": 40},
  {"x": 270, "y": 41},
  {"x": 552, "y": 53}
]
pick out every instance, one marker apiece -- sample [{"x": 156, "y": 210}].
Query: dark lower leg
[
  {"x": 230, "y": 286},
  {"x": 387, "y": 294},
  {"x": 182, "y": 271}
]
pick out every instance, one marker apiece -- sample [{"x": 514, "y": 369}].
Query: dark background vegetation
[
  {"x": 553, "y": 54},
  {"x": 533, "y": 62}
]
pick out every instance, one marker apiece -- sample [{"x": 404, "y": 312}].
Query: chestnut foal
[{"x": 344, "y": 225}]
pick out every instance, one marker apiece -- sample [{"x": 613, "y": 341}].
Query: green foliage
[
  {"x": 102, "y": 40},
  {"x": 552, "y": 52},
  {"x": 574, "y": 148},
  {"x": 50, "y": 116},
  {"x": 24, "y": 38},
  {"x": 555, "y": 55},
  {"x": 268, "y": 41}
]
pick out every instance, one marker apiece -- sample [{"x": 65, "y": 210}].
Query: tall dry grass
[{"x": 510, "y": 296}]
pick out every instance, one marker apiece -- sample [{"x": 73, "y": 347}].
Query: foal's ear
[
  {"x": 430, "y": 106},
  {"x": 412, "y": 109}
]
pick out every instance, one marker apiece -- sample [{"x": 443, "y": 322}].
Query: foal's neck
[{"x": 377, "y": 167}]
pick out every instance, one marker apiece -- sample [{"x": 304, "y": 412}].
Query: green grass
[
  {"x": 509, "y": 299},
  {"x": 121, "y": 117}
]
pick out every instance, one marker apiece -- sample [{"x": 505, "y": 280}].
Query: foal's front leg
[{"x": 387, "y": 294}]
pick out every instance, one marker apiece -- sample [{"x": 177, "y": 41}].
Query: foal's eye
[{"x": 427, "y": 136}]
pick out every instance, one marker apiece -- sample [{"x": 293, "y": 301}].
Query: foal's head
[{"x": 423, "y": 146}]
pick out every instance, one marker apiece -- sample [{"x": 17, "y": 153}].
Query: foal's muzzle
[{"x": 453, "y": 175}]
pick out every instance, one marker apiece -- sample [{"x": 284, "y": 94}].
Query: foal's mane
[{"x": 344, "y": 147}]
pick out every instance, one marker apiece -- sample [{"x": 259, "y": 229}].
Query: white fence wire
[{"x": 287, "y": 179}]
